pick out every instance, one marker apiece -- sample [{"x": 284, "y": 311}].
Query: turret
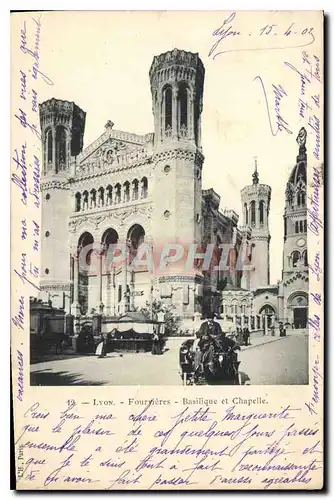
[
  {"x": 62, "y": 129},
  {"x": 255, "y": 200},
  {"x": 177, "y": 79},
  {"x": 295, "y": 214},
  {"x": 62, "y": 126}
]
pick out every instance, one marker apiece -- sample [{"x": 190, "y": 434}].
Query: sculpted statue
[
  {"x": 301, "y": 138},
  {"x": 109, "y": 157}
]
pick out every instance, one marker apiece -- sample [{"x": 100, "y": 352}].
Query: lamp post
[{"x": 152, "y": 289}]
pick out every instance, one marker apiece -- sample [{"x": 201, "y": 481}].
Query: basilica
[{"x": 128, "y": 189}]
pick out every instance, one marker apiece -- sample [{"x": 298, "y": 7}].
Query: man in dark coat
[
  {"x": 208, "y": 332},
  {"x": 246, "y": 336}
]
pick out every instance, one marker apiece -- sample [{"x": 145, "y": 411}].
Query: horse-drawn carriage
[{"x": 220, "y": 365}]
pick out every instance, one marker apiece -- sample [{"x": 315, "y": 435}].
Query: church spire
[{"x": 255, "y": 174}]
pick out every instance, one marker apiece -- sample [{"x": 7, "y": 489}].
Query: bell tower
[
  {"x": 295, "y": 214},
  {"x": 62, "y": 129},
  {"x": 255, "y": 200},
  {"x": 177, "y": 79}
]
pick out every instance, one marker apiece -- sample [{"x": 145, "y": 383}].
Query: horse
[{"x": 220, "y": 365}]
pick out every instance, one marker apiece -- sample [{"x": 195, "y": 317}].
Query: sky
[{"x": 101, "y": 60}]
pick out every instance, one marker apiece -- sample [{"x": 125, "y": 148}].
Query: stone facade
[
  {"x": 256, "y": 206},
  {"x": 293, "y": 289},
  {"x": 287, "y": 301},
  {"x": 145, "y": 192}
]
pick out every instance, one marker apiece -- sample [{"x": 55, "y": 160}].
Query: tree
[{"x": 172, "y": 321}]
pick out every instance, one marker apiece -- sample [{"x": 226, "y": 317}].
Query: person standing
[
  {"x": 246, "y": 336},
  {"x": 209, "y": 330}
]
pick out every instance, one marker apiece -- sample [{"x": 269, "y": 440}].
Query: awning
[{"x": 140, "y": 328}]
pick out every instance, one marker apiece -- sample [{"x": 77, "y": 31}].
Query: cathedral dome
[{"x": 298, "y": 173}]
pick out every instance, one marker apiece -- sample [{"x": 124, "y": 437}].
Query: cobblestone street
[{"x": 269, "y": 360}]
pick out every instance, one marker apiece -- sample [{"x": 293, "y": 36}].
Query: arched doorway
[
  {"x": 135, "y": 237},
  {"x": 298, "y": 303},
  {"x": 110, "y": 283},
  {"x": 269, "y": 311}
]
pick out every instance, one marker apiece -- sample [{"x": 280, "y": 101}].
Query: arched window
[
  {"x": 85, "y": 200},
  {"x": 261, "y": 211},
  {"x": 135, "y": 238},
  {"x": 78, "y": 202},
  {"x": 144, "y": 187},
  {"x": 136, "y": 235},
  {"x": 183, "y": 109},
  {"x": 86, "y": 239},
  {"x": 118, "y": 193},
  {"x": 48, "y": 147},
  {"x": 234, "y": 307},
  {"x": 135, "y": 189},
  {"x": 61, "y": 148},
  {"x": 295, "y": 258},
  {"x": 93, "y": 198},
  {"x": 109, "y": 195},
  {"x": 297, "y": 227},
  {"x": 305, "y": 258},
  {"x": 267, "y": 310},
  {"x": 246, "y": 213},
  {"x": 168, "y": 101},
  {"x": 252, "y": 207},
  {"x": 305, "y": 226},
  {"x": 126, "y": 192},
  {"x": 285, "y": 228},
  {"x": 301, "y": 198},
  {"x": 109, "y": 238},
  {"x": 100, "y": 199}
]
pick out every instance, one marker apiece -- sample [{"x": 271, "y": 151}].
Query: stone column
[
  {"x": 75, "y": 306},
  {"x": 250, "y": 322},
  {"x": 108, "y": 281},
  {"x": 115, "y": 291},
  {"x": 54, "y": 148},
  {"x": 190, "y": 125},
  {"x": 198, "y": 124},
  {"x": 132, "y": 291},
  {"x": 162, "y": 117},
  {"x": 266, "y": 324},
  {"x": 100, "y": 254},
  {"x": 124, "y": 302},
  {"x": 175, "y": 113},
  {"x": 71, "y": 280}
]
